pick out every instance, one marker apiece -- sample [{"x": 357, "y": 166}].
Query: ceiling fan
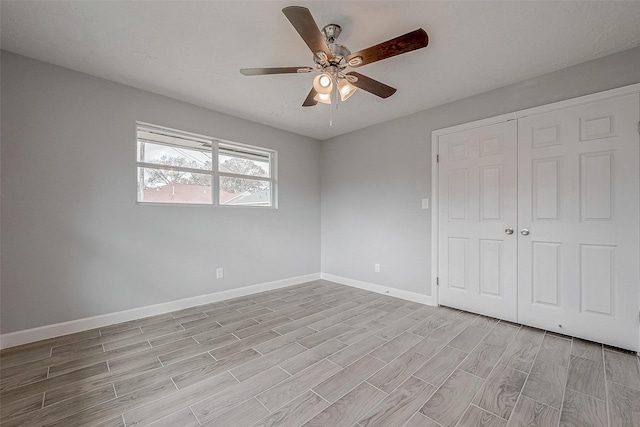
[{"x": 332, "y": 59}]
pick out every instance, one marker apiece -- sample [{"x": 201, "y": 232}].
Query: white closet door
[
  {"x": 578, "y": 186},
  {"x": 477, "y": 203}
]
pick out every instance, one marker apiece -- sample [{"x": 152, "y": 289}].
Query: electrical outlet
[
  {"x": 425, "y": 203},
  {"x": 376, "y": 268},
  {"x": 219, "y": 273}
]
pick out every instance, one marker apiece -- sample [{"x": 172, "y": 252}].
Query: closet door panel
[
  {"x": 578, "y": 197},
  {"x": 478, "y": 199}
]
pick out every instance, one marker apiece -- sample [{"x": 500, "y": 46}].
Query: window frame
[{"x": 215, "y": 167}]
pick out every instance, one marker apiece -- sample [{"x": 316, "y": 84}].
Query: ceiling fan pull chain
[
  {"x": 333, "y": 99},
  {"x": 330, "y": 116}
]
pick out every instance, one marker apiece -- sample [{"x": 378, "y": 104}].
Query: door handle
[
  {"x": 524, "y": 232},
  {"x": 508, "y": 231}
]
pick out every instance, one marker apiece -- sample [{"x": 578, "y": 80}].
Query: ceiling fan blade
[
  {"x": 406, "y": 43},
  {"x": 310, "y": 102},
  {"x": 372, "y": 86},
  {"x": 306, "y": 26},
  {"x": 276, "y": 70}
]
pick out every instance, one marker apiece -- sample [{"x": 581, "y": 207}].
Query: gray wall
[
  {"x": 74, "y": 242},
  {"x": 373, "y": 179}
]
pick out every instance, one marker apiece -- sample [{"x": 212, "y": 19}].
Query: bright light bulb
[{"x": 323, "y": 83}]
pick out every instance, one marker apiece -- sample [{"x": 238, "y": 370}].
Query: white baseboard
[
  {"x": 50, "y": 331},
  {"x": 398, "y": 293}
]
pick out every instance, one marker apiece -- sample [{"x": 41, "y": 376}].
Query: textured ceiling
[{"x": 192, "y": 51}]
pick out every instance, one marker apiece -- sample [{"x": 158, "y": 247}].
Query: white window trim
[{"x": 214, "y": 172}]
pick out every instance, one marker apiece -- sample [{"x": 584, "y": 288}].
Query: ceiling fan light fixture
[
  {"x": 323, "y": 83},
  {"x": 324, "y": 98},
  {"x": 346, "y": 89}
]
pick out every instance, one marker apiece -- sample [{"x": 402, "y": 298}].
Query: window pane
[
  {"x": 164, "y": 186},
  {"x": 173, "y": 156},
  {"x": 244, "y": 192},
  {"x": 244, "y": 166}
]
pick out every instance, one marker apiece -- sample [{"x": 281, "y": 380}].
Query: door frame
[{"x": 573, "y": 102}]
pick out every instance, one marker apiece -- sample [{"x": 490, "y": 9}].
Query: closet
[{"x": 538, "y": 218}]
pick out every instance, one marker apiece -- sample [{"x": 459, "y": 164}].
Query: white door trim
[{"x": 625, "y": 90}]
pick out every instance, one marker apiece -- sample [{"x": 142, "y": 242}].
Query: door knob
[
  {"x": 524, "y": 232},
  {"x": 508, "y": 231}
]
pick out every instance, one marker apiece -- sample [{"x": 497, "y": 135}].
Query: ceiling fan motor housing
[{"x": 339, "y": 53}]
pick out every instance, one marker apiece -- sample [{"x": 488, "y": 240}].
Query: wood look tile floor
[{"x": 318, "y": 354}]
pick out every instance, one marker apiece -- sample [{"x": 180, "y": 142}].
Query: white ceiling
[{"x": 192, "y": 51}]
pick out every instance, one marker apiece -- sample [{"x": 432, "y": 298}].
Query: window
[{"x": 180, "y": 167}]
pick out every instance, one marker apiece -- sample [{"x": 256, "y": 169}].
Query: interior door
[
  {"x": 477, "y": 204},
  {"x": 578, "y": 188}
]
